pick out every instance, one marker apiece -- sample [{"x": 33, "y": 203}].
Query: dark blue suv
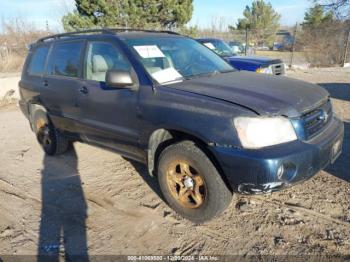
[{"x": 204, "y": 129}]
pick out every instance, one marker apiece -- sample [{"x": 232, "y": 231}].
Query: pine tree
[
  {"x": 129, "y": 13},
  {"x": 316, "y": 15},
  {"x": 262, "y": 19}
]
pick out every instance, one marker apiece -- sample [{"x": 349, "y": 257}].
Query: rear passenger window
[
  {"x": 37, "y": 61},
  {"x": 101, "y": 57},
  {"x": 65, "y": 59}
]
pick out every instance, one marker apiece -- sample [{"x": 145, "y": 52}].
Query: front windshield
[
  {"x": 170, "y": 59},
  {"x": 220, "y": 47}
]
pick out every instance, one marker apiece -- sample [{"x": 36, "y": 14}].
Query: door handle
[{"x": 84, "y": 90}]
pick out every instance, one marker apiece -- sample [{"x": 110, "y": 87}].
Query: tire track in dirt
[
  {"x": 302, "y": 209},
  {"x": 7, "y": 188},
  {"x": 10, "y": 190}
]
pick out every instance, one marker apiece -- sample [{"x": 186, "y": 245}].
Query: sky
[
  {"x": 207, "y": 11},
  {"x": 40, "y": 12},
  {"x": 37, "y": 12}
]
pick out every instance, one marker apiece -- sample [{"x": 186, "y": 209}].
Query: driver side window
[{"x": 101, "y": 57}]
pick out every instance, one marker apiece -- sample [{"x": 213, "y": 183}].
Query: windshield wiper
[
  {"x": 202, "y": 75},
  {"x": 173, "y": 80},
  {"x": 228, "y": 71},
  {"x": 198, "y": 76}
]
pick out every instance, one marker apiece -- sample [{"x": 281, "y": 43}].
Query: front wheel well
[{"x": 162, "y": 138}]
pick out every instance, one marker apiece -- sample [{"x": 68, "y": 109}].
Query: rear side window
[
  {"x": 65, "y": 59},
  {"x": 37, "y": 61}
]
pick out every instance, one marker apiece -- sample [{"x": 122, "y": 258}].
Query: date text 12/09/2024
[{"x": 173, "y": 258}]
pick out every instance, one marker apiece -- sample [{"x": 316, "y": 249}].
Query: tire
[
  {"x": 52, "y": 142},
  {"x": 190, "y": 183}
]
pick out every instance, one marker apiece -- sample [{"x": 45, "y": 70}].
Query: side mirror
[{"x": 119, "y": 79}]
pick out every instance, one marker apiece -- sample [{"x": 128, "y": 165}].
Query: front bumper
[{"x": 259, "y": 171}]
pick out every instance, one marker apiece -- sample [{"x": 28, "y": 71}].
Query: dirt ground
[{"x": 94, "y": 202}]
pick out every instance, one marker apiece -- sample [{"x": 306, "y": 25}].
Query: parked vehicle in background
[
  {"x": 278, "y": 46},
  {"x": 204, "y": 129},
  {"x": 237, "y": 47},
  {"x": 262, "y": 48},
  {"x": 283, "y": 41},
  {"x": 249, "y": 63}
]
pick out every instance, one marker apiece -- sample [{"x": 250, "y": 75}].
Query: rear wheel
[
  {"x": 190, "y": 182},
  {"x": 52, "y": 142}
]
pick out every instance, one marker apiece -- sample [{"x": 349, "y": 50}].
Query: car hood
[
  {"x": 266, "y": 95},
  {"x": 253, "y": 59}
]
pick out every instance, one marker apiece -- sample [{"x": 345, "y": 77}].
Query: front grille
[
  {"x": 278, "y": 69},
  {"x": 317, "y": 119}
]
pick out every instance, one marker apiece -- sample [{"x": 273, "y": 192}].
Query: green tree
[
  {"x": 130, "y": 13},
  {"x": 191, "y": 31},
  {"x": 316, "y": 16},
  {"x": 262, "y": 20}
]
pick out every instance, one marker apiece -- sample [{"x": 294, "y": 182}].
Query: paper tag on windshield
[
  {"x": 149, "y": 51},
  {"x": 210, "y": 46},
  {"x": 167, "y": 75}
]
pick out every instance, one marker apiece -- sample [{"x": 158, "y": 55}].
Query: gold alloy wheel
[
  {"x": 40, "y": 123},
  {"x": 43, "y": 132},
  {"x": 186, "y": 184}
]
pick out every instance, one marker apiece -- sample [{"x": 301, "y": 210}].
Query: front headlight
[
  {"x": 258, "y": 132},
  {"x": 265, "y": 70}
]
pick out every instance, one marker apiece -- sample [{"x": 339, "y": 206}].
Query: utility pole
[
  {"x": 293, "y": 45},
  {"x": 47, "y": 26},
  {"x": 246, "y": 41},
  {"x": 346, "y": 48}
]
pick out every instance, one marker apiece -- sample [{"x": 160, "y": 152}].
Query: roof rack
[
  {"x": 58, "y": 36},
  {"x": 141, "y": 30},
  {"x": 103, "y": 31}
]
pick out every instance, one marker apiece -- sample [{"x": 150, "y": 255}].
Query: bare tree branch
[{"x": 341, "y": 8}]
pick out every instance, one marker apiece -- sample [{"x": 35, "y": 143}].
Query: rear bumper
[{"x": 257, "y": 171}]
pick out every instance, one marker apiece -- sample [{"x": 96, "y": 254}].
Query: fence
[{"x": 301, "y": 46}]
